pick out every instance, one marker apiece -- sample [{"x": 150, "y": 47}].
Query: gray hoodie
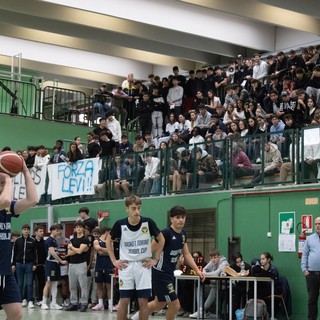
[{"x": 215, "y": 269}]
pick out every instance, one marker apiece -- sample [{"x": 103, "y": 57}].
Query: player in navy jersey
[
  {"x": 103, "y": 269},
  {"x": 162, "y": 273},
  {"x": 10, "y": 299},
  {"x": 52, "y": 269},
  {"x": 134, "y": 235}
]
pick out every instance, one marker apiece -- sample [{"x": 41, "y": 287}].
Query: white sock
[
  {"x": 100, "y": 302},
  {"x": 44, "y": 300},
  {"x": 135, "y": 316},
  {"x": 54, "y": 291}
]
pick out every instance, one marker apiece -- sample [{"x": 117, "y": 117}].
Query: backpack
[{"x": 262, "y": 313}]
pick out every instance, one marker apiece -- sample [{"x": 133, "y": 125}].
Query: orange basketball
[{"x": 10, "y": 163}]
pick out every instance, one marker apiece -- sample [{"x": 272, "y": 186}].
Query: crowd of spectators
[{"x": 247, "y": 98}]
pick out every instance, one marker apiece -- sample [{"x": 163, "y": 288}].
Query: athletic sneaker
[
  {"x": 24, "y": 302},
  {"x": 55, "y": 306},
  {"x": 98, "y": 307},
  {"x": 115, "y": 308},
  {"x": 30, "y": 305},
  {"x": 195, "y": 315},
  {"x": 44, "y": 306}
]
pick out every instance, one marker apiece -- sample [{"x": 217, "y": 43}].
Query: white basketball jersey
[{"x": 135, "y": 245}]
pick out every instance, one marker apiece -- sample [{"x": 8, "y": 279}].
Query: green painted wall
[
  {"x": 254, "y": 214},
  {"x": 19, "y": 132}
]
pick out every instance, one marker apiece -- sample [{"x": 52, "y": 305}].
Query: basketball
[{"x": 10, "y": 163}]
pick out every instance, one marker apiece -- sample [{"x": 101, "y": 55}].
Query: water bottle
[{"x": 243, "y": 271}]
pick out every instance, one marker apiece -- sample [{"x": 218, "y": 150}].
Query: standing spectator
[
  {"x": 114, "y": 126},
  {"x": 158, "y": 106},
  {"x": 144, "y": 111},
  {"x": 310, "y": 266},
  {"x": 85, "y": 218},
  {"x": 77, "y": 251},
  {"x": 135, "y": 262},
  {"x": 52, "y": 269},
  {"x": 77, "y": 140},
  {"x": 108, "y": 146},
  {"x": 260, "y": 69},
  {"x": 101, "y": 127},
  {"x": 102, "y": 100},
  {"x": 42, "y": 157},
  {"x": 103, "y": 268},
  {"x": 59, "y": 154},
  {"x": 24, "y": 263},
  {"x": 174, "y": 97},
  {"x": 180, "y": 77},
  {"x": 93, "y": 148},
  {"x": 31, "y": 157},
  {"x": 10, "y": 298},
  {"x": 118, "y": 99},
  {"x": 40, "y": 261}
]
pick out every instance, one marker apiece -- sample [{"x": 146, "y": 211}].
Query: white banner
[
  {"x": 79, "y": 178},
  {"x": 39, "y": 178}
]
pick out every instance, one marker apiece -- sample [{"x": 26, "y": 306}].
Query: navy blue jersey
[
  {"x": 172, "y": 249},
  {"x": 5, "y": 239},
  {"x": 51, "y": 242},
  {"x": 103, "y": 262}
]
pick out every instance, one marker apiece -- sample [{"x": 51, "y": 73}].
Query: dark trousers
[
  {"x": 257, "y": 176},
  {"x": 40, "y": 280},
  {"x": 313, "y": 287}
]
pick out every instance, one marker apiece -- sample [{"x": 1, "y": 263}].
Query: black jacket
[{"x": 24, "y": 251}]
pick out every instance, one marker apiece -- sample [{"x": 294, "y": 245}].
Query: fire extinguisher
[{"x": 302, "y": 238}]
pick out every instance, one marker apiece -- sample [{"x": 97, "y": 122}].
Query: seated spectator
[
  {"x": 313, "y": 87},
  {"x": 273, "y": 106},
  {"x": 231, "y": 96},
  {"x": 184, "y": 128},
  {"x": 288, "y": 166},
  {"x": 310, "y": 111},
  {"x": 243, "y": 127},
  {"x": 102, "y": 100},
  {"x": 171, "y": 127},
  {"x": 263, "y": 125},
  {"x": 300, "y": 80},
  {"x": 148, "y": 138},
  {"x": 215, "y": 122},
  {"x": 119, "y": 177},
  {"x": 239, "y": 111},
  {"x": 187, "y": 169},
  {"x": 149, "y": 174},
  {"x": 272, "y": 164},
  {"x": 74, "y": 154},
  {"x": 266, "y": 269},
  {"x": 213, "y": 268},
  {"x": 194, "y": 119},
  {"x": 125, "y": 145},
  {"x": 135, "y": 170},
  {"x": 229, "y": 116},
  {"x": 311, "y": 159},
  {"x": 288, "y": 85},
  {"x": 196, "y": 139},
  {"x": 241, "y": 165},
  {"x": 140, "y": 144},
  {"x": 276, "y": 133},
  {"x": 239, "y": 289},
  {"x": 288, "y": 106},
  {"x": 213, "y": 102},
  {"x": 218, "y": 137},
  {"x": 208, "y": 171},
  {"x": 204, "y": 119},
  {"x": 233, "y": 128},
  {"x": 93, "y": 147}
]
